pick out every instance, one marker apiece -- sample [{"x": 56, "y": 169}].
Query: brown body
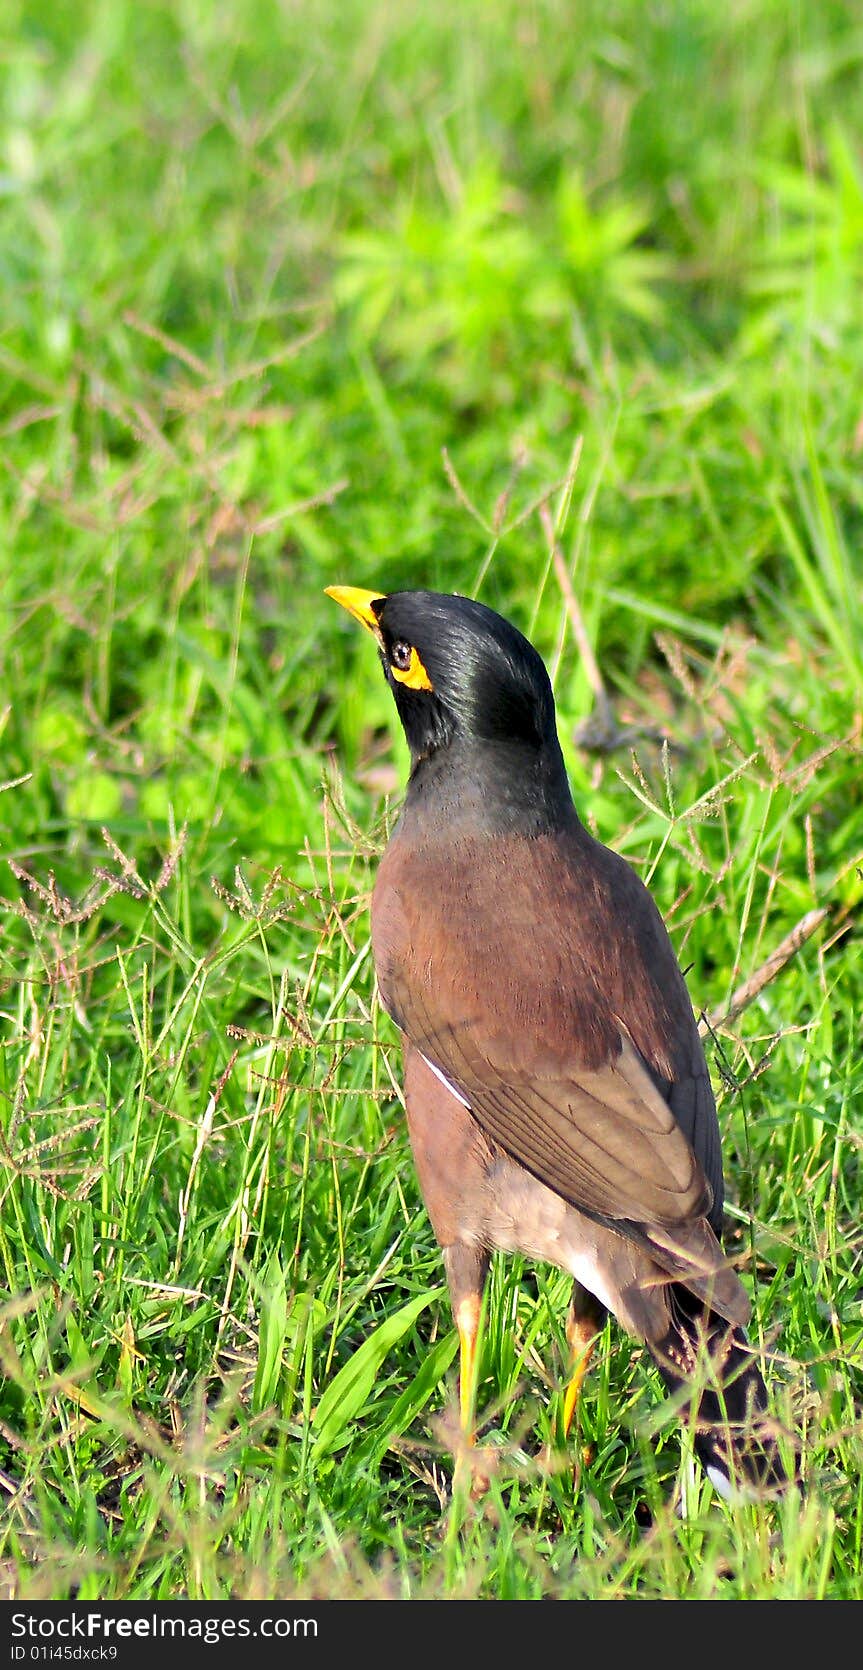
[{"x": 590, "y": 1135}]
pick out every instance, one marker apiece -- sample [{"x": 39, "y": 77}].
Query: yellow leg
[
  {"x": 468, "y": 1479},
  {"x": 581, "y": 1356},
  {"x": 581, "y": 1333},
  {"x": 467, "y": 1322}
]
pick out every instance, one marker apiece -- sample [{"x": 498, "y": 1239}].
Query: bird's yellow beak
[
  {"x": 362, "y": 605},
  {"x": 359, "y": 604}
]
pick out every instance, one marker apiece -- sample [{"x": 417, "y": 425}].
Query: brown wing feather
[
  {"x": 560, "y": 1027},
  {"x": 604, "y": 1138}
]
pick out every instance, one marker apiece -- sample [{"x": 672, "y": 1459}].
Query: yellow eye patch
[{"x": 413, "y": 675}]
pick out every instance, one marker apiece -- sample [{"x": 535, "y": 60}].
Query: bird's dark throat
[{"x": 494, "y": 787}]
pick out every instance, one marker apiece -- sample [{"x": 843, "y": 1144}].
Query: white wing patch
[{"x": 445, "y": 1082}]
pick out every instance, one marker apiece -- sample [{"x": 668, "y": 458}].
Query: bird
[{"x": 557, "y": 1097}]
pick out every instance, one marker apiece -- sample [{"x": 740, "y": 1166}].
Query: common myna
[{"x": 557, "y": 1096}]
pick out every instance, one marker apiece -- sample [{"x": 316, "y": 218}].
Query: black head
[{"x": 473, "y": 695}]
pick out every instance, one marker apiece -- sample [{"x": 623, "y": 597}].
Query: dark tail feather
[{"x": 735, "y": 1439}]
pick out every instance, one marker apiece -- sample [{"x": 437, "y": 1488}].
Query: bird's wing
[
  {"x": 606, "y": 1140},
  {"x": 554, "y": 1007},
  {"x": 602, "y": 1137}
]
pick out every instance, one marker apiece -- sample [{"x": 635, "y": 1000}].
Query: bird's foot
[{"x": 475, "y": 1467}]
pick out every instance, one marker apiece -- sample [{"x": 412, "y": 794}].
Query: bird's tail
[{"x": 735, "y": 1438}]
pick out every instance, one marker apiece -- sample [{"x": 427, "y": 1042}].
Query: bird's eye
[{"x": 400, "y": 655}]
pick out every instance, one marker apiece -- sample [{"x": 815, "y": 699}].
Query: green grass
[{"x": 342, "y": 292}]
